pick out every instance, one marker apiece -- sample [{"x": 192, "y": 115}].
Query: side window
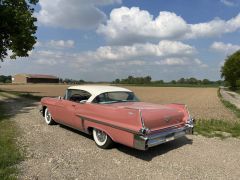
[
  {"x": 77, "y": 95},
  {"x": 100, "y": 98}
]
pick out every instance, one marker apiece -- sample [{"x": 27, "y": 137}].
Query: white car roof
[{"x": 96, "y": 90}]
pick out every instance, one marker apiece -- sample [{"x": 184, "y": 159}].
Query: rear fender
[
  {"x": 183, "y": 108},
  {"x": 116, "y": 135}
]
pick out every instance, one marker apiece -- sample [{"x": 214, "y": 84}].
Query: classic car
[{"x": 114, "y": 114}]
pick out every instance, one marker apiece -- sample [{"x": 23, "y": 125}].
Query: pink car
[{"x": 114, "y": 114}]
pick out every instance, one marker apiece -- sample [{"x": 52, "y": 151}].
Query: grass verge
[
  {"x": 220, "y": 128},
  {"x": 229, "y": 105},
  {"x": 10, "y": 156},
  {"x": 217, "y": 128},
  {"x": 238, "y": 91}
]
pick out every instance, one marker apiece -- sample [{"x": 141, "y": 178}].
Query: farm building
[{"x": 34, "y": 78}]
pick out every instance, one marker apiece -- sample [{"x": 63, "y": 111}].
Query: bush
[{"x": 238, "y": 84}]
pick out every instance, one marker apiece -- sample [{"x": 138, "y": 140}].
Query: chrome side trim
[
  {"x": 69, "y": 126},
  {"x": 108, "y": 124}
]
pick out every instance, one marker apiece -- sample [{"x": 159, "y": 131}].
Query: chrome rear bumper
[{"x": 142, "y": 142}]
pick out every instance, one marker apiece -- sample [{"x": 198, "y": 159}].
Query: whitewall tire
[
  {"x": 48, "y": 117},
  {"x": 102, "y": 139}
]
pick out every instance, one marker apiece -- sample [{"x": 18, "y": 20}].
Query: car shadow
[
  {"x": 149, "y": 154},
  {"x": 75, "y": 131}
]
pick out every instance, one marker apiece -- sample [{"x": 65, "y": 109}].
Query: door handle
[{"x": 73, "y": 105}]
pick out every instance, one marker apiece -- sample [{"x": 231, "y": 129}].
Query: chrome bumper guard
[{"x": 142, "y": 142}]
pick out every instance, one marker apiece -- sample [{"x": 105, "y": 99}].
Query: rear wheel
[
  {"x": 48, "y": 117},
  {"x": 102, "y": 139}
]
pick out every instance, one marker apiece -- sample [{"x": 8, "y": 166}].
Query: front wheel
[
  {"x": 48, "y": 117},
  {"x": 102, "y": 139}
]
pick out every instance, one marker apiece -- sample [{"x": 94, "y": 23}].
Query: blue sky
[{"x": 100, "y": 40}]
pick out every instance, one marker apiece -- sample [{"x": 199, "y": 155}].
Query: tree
[
  {"x": 192, "y": 80},
  {"x": 17, "y": 27},
  {"x": 147, "y": 79},
  {"x": 231, "y": 69},
  {"x": 5, "y": 79},
  {"x": 181, "y": 81},
  {"x": 206, "y": 81},
  {"x": 117, "y": 81}
]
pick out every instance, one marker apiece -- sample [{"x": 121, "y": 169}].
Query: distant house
[{"x": 34, "y": 78}]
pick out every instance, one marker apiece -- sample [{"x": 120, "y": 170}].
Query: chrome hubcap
[
  {"x": 48, "y": 116},
  {"x": 101, "y": 135}
]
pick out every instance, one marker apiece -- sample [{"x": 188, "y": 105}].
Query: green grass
[
  {"x": 238, "y": 91},
  {"x": 220, "y": 128},
  {"x": 9, "y": 153},
  {"x": 229, "y": 105},
  {"x": 217, "y": 128}
]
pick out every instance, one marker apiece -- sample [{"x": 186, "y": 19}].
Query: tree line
[
  {"x": 71, "y": 81},
  {"x": 148, "y": 80},
  {"x": 5, "y": 79}
]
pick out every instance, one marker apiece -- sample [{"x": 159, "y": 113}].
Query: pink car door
[{"x": 65, "y": 111}]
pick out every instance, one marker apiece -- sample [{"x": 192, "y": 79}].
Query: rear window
[{"x": 115, "y": 97}]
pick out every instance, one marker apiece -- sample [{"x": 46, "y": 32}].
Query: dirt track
[
  {"x": 231, "y": 96},
  {"x": 56, "y": 152}
]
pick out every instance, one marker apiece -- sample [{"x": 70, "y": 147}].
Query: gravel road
[{"x": 57, "y": 152}]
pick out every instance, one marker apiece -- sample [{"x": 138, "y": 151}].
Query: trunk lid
[{"x": 156, "y": 116}]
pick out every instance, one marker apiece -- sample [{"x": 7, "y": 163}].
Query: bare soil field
[{"x": 203, "y": 103}]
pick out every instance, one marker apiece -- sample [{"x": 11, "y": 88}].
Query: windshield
[{"x": 115, "y": 97}]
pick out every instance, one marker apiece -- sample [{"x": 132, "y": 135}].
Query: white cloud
[
  {"x": 165, "y": 53},
  {"x": 213, "y": 28},
  {"x": 183, "y": 61},
  {"x": 80, "y": 14},
  {"x": 56, "y": 44},
  {"x": 134, "y": 24},
  {"x": 172, "y": 61},
  {"x": 227, "y": 3},
  {"x": 145, "y": 51},
  {"x": 163, "y": 60},
  {"x": 224, "y": 48},
  {"x": 62, "y": 43},
  {"x": 131, "y": 25}
]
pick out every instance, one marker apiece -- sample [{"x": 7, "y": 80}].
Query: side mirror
[
  {"x": 83, "y": 101},
  {"x": 60, "y": 97}
]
